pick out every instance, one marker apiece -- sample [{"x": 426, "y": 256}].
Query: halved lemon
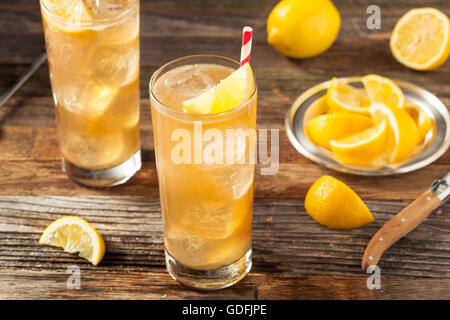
[
  {"x": 383, "y": 90},
  {"x": 342, "y": 97},
  {"x": 228, "y": 94},
  {"x": 421, "y": 39},
  {"x": 404, "y": 132},
  {"x": 324, "y": 128},
  {"x": 361, "y": 148},
  {"x": 75, "y": 235}
]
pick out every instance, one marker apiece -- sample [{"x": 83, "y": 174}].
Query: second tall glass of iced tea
[
  {"x": 93, "y": 56},
  {"x": 205, "y": 168}
]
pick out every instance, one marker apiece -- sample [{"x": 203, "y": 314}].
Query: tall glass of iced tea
[
  {"x": 205, "y": 162},
  {"x": 93, "y": 56}
]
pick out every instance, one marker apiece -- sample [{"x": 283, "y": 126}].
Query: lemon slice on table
[
  {"x": 346, "y": 98},
  {"x": 335, "y": 205},
  {"x": 228, "y": 94},
  {"x": 324, "y": 128},
  {"x": 421, "y": 39},
  {"x": 383, "y": 90},
  {"x": 75, "y": 234},
  {"x": 363, "y": 147},
  {"x": 403, "y": 132}
]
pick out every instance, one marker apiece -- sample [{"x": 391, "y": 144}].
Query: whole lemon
[{"x": 303, "y": 28}]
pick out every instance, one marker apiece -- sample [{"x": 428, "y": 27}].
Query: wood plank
[
  {"x": 160, "y": 286},
  {"x": 294, "y": 257},
  {"x": 285, "y": 238}
]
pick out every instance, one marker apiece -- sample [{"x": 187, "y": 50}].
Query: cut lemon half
[
  {"x": 383, "y": 90},
  {"x": 342, "y": 97},
  {"x": 228, "y": 94},
  {"x": 421, "y": 40},
  {"x": 403, "y": 130},
  {"x": 335, "y": 205},
  {"x": 324, "y": 128},
  {"x": 75, "y": 235},
  {"x": 361, "y": 148}
]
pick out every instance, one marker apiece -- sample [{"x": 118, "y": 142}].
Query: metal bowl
[{"x": 435, "y": 145}]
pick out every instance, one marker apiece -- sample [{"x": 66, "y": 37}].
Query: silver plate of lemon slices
[{"x": 387, "y": 144}]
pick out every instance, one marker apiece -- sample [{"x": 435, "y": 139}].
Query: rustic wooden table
[{"x": 294, "y": 257}]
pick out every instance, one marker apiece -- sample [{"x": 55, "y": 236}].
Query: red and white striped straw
[{"x": 246, "y": 48}]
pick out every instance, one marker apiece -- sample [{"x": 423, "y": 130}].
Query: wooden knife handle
[{"x": 405, "y": 221}]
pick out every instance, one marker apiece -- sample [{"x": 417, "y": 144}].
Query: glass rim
[
  {"x": 119, "y": 16},
  {"x": 200, "y": 115}
]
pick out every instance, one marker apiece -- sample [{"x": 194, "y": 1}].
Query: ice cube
[
  {"x": 105, "y": 7},
  {"x": 99, "y": 151},
  {"x": 211, "y": 219},
  {"x": 83, "y": 96},
  {"x": 189, "y": 82},
  {"x": 183, "y": 240},
  {"x": 116, "y": 65},
  {"x": 236, "y": 176}
]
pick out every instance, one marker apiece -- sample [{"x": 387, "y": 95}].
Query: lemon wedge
[
  {"x": 423, "y": 121},
  {"x": 404, "y": 131},
  {"x": 361, "y": 148},
  {"x": 335, "y": 205},
  {"x": 324, "y": 128},
  {"x": 75, "y": 234},
  {"x": 421, "y": 39},
  {"x": 228, "y": 94},
  {"x": 383, "y": 90},
  {"x": 75, "y": 10},
  {"x": 342, "y": 97},
  {"x": 77, "y": 13}
]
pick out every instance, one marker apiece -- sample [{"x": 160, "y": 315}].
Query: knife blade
[{"x": 406, "y": 220}]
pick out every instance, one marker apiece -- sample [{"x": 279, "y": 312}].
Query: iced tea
[
  {"x": 206, "y": 203},
  {"x": 93, "y": 54}
]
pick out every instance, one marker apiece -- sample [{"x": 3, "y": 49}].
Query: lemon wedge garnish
[
  {"x": 77, "y": 13},
  {"x": 342, "y": 97},
  {"x": 421, "y": 39},
  {"x": 228, "y": 94},
  {"x": 75, "y": 235},
  {"x": 335, "y": 205},
  {"x": 404, "y": 132},
  {"x": 324, "y": 128},
  {"x": 363, "y": 147},
  {"x": 75, "y": 10}
]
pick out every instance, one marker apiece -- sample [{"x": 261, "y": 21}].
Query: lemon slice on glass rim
[
  {"x": 228, "y": 94},
  {"x": 76, "y": 14}
]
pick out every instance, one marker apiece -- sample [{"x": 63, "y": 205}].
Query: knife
[{"x": 406, "y": 220}]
